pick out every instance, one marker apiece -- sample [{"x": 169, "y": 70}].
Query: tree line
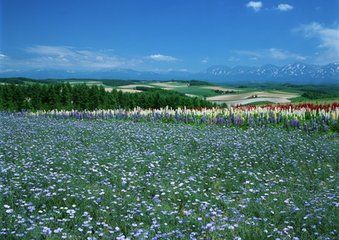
[{"x": 64, "y": 96}]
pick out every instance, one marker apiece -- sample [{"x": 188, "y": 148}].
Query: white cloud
[
  {"x": 284, "y": 7},
  {"x": 3, "y": 60},
  {"x": 256, "y": 6},
  {"x": 51, "y": 50},
  {"x": 270, "y": 54},
  {"x": 280, "y": 54},
  {"x": 328, "y": 41},
  {"x": 248, "y": 53},
  {"x": 162, "y": 58},
  {"x": 69, "y": 58},
  {"x": 205, "y": 60},
  {"x": 65, "y": 57}
]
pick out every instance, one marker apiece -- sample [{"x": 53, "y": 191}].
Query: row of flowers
[
  {"x": 304, "y": 116},
  {"x": 300, "y": 106}
]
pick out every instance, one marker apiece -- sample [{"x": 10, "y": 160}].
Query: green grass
[
  {"x": 199, "y": 91},
  {"x": 177, "y": 83},
  {"x": 258, "y": 103},
  {"x": 151, "y": 85},
  {"x": 324, "y": 100}
]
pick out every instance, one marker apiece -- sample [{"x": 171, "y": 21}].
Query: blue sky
[{"x": 165, "y": 35}]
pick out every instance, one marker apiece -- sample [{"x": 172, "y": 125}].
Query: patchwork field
[
  {"x": 252, "y": 93},
  {"x": 128, "y": 90},
  {"x": 132, "y": 86},
  {"x": 105, "y": 179},
  {"x": 218, "y": 94},
  {"x": 170, "y": 84},
  {"x": 214, "y": 93},
  {"x": 254, "y": 100},
  {"x": 254, "y": 96},
  {"x": 221, "y": 88},
  {"x": 87, "y": 82},
  {"x": 196, "y": 91}
]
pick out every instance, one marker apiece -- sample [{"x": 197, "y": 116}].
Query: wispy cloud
[
  {"x": 280, "y": 54},
  {"x": 256, "y": 6},
  {"x": 68, "y": 58},
  {"x": 57, "y": 51},
  {"x": 64, "y": 56},
  {"x": 284, "y": 7},
  {"x": 3, "y": 63},
  {"x": 328, "y": 41},
  {"x": 73, "y": 59},
  {"x": 162, "y": 58},
  {"x": 205, "y": 60},
  {"x": 249, "y": 53},
  {"x": 270, "y": 54}
]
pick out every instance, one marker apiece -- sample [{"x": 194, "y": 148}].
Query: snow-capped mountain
[
  {"x": 290, "y": 73},
  {"x": 268, "y": 69},
  {"x": 298, "y": 72}
]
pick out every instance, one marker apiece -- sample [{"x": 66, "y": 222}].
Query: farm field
[
  {"x": 196, "y": 91},
  {"x": 220, "y": 94},
  {"x": 232, "y": 95},
  {"x": 125, "y": 90},
  {"x": 111, "y": 179},
  {"x": 254, "y": 96},
  {"x": 177, "y": 84},
  {"x": 267, "y": 100}
]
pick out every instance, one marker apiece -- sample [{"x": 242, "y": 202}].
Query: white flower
[
  {"x": 9, "y": 210},
  {"x": 46, "y": 230},
  {"x": 58, "y": 230}
]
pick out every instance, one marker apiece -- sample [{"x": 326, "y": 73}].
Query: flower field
[
  {"x": 91, "y": 175},
  {"x": 309, "y": 117}
]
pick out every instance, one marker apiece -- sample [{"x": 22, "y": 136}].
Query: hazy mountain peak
[{"x": 292, "y": 73}]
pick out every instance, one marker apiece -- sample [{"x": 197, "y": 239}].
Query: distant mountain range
[
  {"x": 296, "y": 73},
  {"x": 291, "y": 73}
]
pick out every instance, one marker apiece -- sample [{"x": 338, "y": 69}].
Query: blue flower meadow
[{"x": 65, "y": 178}]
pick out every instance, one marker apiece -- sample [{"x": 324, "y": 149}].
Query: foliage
[
  {"x": 15, "y": 80},
  {"x": 193, "y": 82},
  {"x": 335, "y": 127},
  {"x": 83, "y": 97},
  {"x": 199, "y": 83},
  {"x": 318, "y": 94},
  {"x": 146, "y": 89},
  {"x": 222, "y": 92},
  {"x": 24, "y": 80},
  {"x": 117, "y": 82}
]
